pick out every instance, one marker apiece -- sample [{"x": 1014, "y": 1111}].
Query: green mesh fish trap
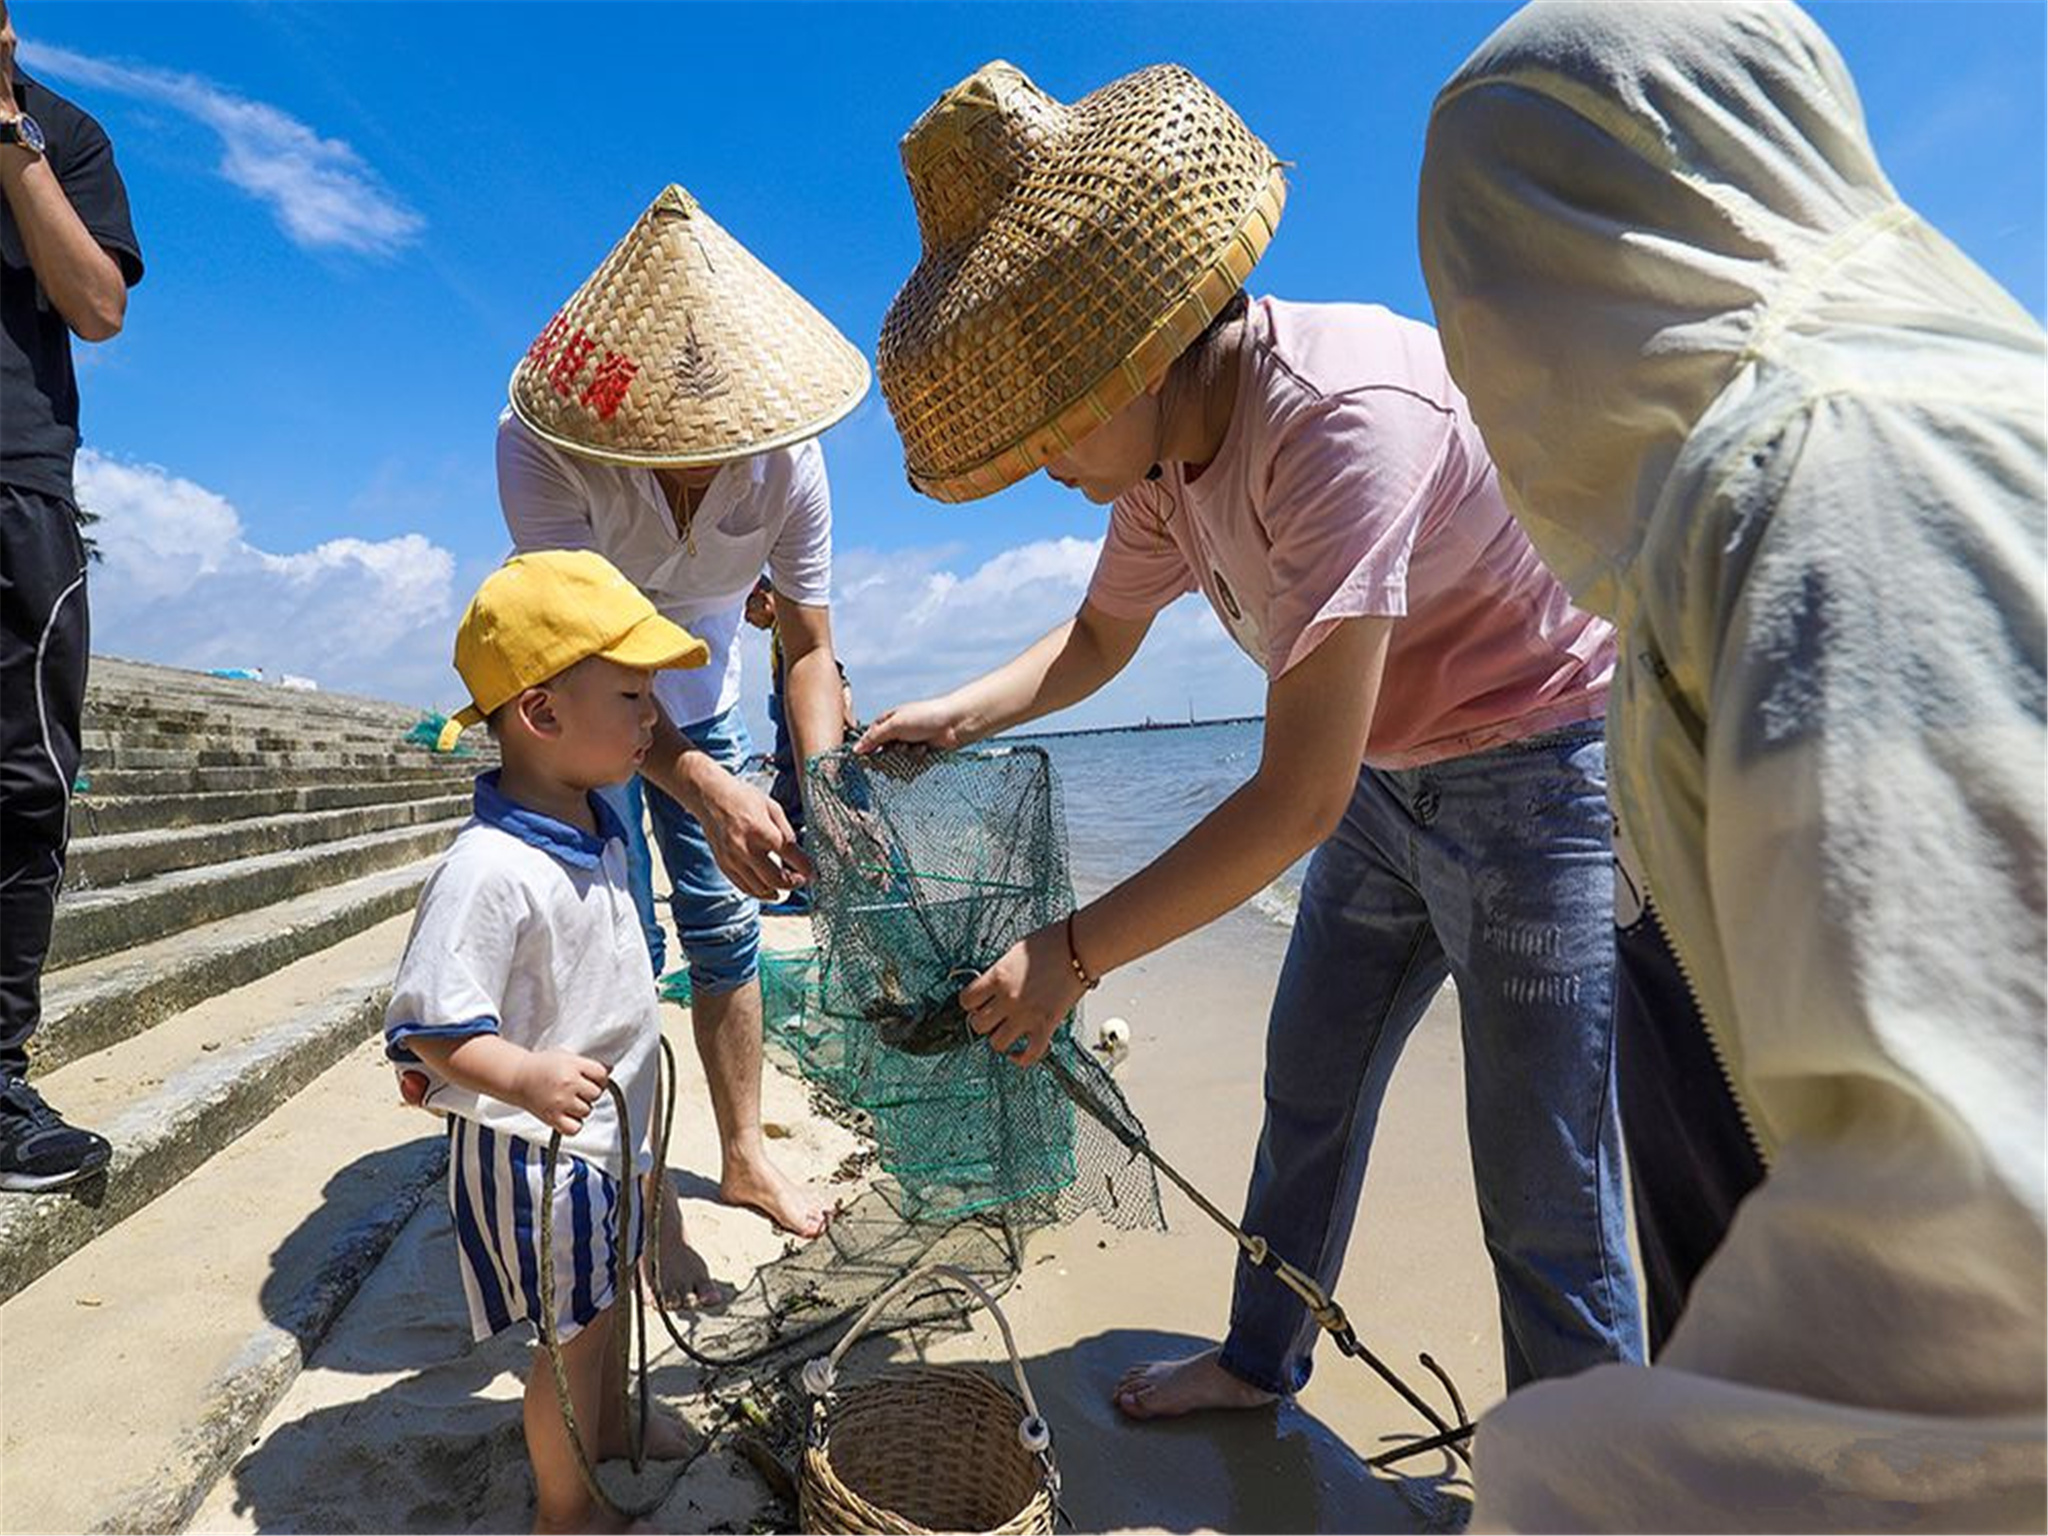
[{"x": 930, "y": 866}]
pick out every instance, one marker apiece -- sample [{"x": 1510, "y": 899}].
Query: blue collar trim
[{"x": 572, "y": 845}]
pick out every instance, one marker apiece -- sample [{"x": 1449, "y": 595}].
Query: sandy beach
[{"x": 400, "y": 1424}]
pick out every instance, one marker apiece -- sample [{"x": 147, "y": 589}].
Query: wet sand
[{"x": 399, "y": 1424}]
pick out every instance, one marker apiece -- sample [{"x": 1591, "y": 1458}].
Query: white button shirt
[{"x": 772, "y": 511}]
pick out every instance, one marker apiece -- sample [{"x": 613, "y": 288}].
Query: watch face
[{"x": 31, "y": 132}]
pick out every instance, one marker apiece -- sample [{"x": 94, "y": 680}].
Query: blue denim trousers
[
  {"x": 627, "y": 803},
  {"x": 718, "y": 923},
  {"x": 1494, "y": 869}
]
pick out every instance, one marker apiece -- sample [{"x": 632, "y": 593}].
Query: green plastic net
[
  {"x": 786, "y": 977},
  {"x": 929, "y": 866},
  {"x": 426, "y": 732}
]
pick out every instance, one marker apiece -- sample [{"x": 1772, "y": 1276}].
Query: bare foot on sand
[
  {"x": 668, "y": 1437},
  {"x": 686, "y": 1284},
  {"x": 1166, "y": 1389},
  {"x": 763, "y": 1188}
]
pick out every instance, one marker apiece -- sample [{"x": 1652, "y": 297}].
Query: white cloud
[
  {"x": 909, "y": 624},
  {"x": 322, "y": 193},
  {"x": 905, "y": 611},
  {"x": 179, "y": 583}
]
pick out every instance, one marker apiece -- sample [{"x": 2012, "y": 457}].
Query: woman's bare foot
[
  {"x": 1166, "y": 1389},
  {"x": 668, "y": 1437},
  {"x": 761, "y": 1187}
]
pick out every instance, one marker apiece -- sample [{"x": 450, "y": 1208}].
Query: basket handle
[{"x": 820, "y": 1373}]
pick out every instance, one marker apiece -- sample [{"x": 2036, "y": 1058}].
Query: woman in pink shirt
[{"x": 1435, "y": 704}]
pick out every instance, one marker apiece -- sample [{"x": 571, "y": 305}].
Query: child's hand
[{"x": 558, "y": 1088}]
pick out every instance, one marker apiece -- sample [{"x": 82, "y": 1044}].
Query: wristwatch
[{"x": 25, "y": 131}]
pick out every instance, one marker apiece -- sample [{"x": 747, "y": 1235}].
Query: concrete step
[
  {"x": 120, "y": 717},
  {"x": 271, "y": 734},
  {"x": 158, "y": 749},
  {"x": 151, "y": 685},
  {"x": 269, "y": 723},
  {"x": 273, "y": 728},
  {"x": 95, "y": 923},
  {"x": 98, "y": 862},
  {"x": 128, "y": 759},
  {"x": 99, "y": 1003},
  {"x": 173, "y": 1096},
  {"x": 402, "y": 764},
  {"x": 97, "y": 815},
  {"x": 140, "y": 1367}
]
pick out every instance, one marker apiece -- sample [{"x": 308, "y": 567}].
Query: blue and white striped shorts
[{"x": 494, "y": 1192}]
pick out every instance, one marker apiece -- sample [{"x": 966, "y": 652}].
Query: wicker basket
[{"x": 926, "y": 1448}]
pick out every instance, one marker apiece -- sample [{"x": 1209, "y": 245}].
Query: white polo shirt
[
  {"x": 527, "y": 929},
  {"x": 772, "y": 511}
]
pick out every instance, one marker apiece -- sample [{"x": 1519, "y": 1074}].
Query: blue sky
[{"x": 355, "y": 217}]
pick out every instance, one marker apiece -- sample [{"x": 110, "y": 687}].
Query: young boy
[{"x": 524, "y": 991}]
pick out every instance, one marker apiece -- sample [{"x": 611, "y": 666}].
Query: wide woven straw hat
[
  {"x": 682, "y": 348},
  {"x": 1071, "y": 253}
]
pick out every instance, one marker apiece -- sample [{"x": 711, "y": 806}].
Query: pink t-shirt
[{"x": 1351, "y": 483}]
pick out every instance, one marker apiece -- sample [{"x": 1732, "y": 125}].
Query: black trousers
[
  {"x": 44, "y": 641},
  {"x": 1690, "y": 1158}
]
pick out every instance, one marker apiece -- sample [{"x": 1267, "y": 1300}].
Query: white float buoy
[{"x": 1112, "y": 1042}]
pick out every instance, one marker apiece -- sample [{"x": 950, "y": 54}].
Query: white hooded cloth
[{"x": 1754, "y": 410}]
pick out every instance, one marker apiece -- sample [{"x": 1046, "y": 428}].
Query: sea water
[{"x": 1130, "y": 795}]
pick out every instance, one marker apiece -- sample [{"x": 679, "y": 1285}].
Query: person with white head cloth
[{"x": 1752, "y": 408}]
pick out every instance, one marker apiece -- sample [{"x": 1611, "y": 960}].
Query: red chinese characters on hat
[
  {"x": 608, "y": 386},
  {"x": 569, "y": 362},
  {"x": 565, "y": 352},
  {"x": 550, "y": 337}
]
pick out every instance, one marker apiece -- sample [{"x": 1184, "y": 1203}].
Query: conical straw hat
[
  {"x": 1071, "y": 253},
  {"x": 682, "y": 348}
]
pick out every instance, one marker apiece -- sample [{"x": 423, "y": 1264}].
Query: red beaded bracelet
[{"x": 1088, "y": 983}]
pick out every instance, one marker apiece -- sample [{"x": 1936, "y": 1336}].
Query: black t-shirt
[{"x": 38, "y": 390}]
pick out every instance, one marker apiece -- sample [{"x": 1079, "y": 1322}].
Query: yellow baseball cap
[{"x": 538, "y": 615}]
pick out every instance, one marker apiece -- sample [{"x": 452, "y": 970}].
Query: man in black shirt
[{"x": 68, "y": 256}]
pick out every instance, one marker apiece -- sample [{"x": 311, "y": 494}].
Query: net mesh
[
  {"x": 786, "y": 977},
  {"x": 929, "y": 867}
]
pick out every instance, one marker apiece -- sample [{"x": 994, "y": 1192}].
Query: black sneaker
[{"x": 38, "y": 1150}]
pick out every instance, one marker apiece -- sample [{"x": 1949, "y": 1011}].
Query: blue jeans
[
  {"x": 719, "y": 924},
  {"x": 626, "y": 801},
  {"x": 1496, "y": 869},
  {"x": 784, "y": 790}
]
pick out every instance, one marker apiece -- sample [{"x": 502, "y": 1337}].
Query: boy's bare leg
[
  {"x": 685, "y": 1276},
  {"x": 668, "y": 1437},
  {"x": 561, "y": 1502},
  {"x": 728, "y": 1030}
]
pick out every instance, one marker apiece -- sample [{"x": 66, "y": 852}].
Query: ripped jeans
[{"x": 1494, "y": 869}]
